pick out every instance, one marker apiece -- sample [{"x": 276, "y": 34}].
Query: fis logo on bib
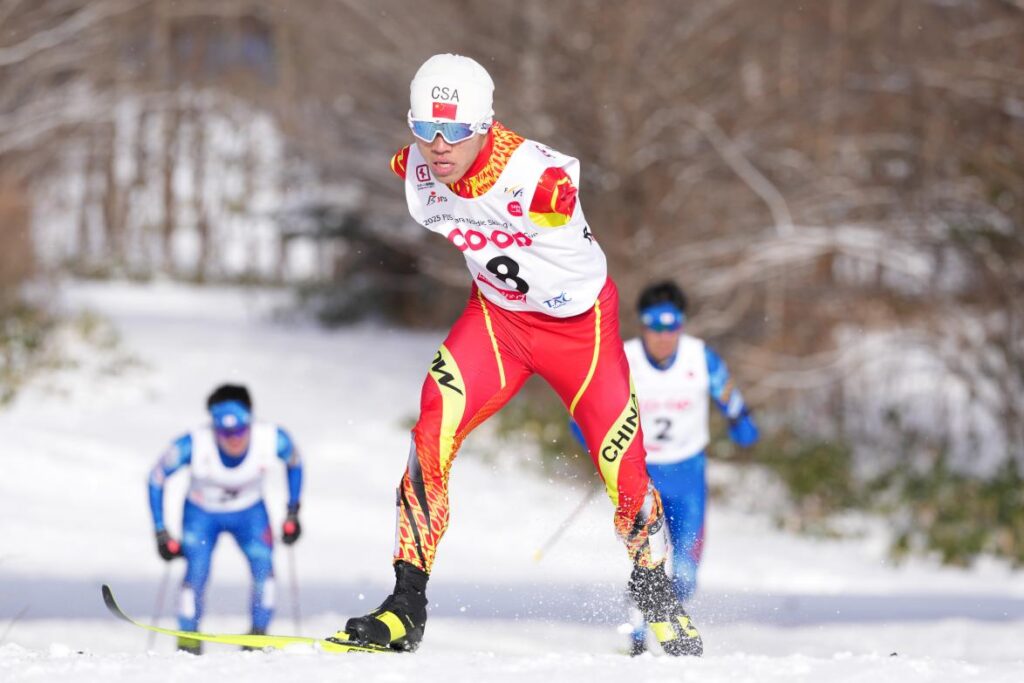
[
  {"x": 558, "y": 301},
  {"x": 515, "y": 190}
]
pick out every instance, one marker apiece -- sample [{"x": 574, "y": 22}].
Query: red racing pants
[{"x": 488, "y": 355}]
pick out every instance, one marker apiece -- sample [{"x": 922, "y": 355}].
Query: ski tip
[{"x": 112, "y": 606}]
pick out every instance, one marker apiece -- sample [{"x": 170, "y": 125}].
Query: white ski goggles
[{"x": 453, "y": 132}]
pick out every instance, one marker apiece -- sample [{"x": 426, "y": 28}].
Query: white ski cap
[{"x": 451, "y": 88}]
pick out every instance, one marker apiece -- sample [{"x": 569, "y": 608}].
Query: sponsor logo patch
[
  {"x": 558, "y": 301},
  {"x": 444, "y": 378},
  {"x": 422, "y": 173},
  {"x": 475, "y": 240},
  {"x": 510, "y": 295},
  {"x": 515, "y": 208}
]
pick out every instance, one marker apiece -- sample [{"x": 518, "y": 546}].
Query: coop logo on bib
[{"x": 515, "y": 208}]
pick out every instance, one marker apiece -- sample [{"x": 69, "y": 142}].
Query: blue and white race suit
[
  {"x": 226, "y": 495},
  {"x": 673, "y": 398}
]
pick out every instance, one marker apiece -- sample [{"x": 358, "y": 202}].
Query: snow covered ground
[{"x": 73, "y": 514}]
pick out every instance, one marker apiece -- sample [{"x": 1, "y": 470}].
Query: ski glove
[
  {"x": 169, "y": 548},
  {"x": 743, "y": 430},
  {"x": 291, "y": 529}
]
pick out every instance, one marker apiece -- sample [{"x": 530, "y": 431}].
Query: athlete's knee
[
  {"x": 197, "y": 571},
  {"x": 260, "y": 562}
]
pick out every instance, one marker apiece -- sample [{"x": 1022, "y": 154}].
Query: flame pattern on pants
[{"x": 486, "y": 358}]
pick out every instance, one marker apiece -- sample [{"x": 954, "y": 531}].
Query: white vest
[
  {"x": 673, "y": 402},
  {"x": 217, "y": 488},
  {"x": 516, "y": 264}
]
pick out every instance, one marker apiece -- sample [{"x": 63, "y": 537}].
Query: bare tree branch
[{"x": 90, "y": 16}]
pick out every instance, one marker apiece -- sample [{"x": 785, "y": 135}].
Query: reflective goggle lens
[
  {"x": 663, "y": 318},
  {"x": 230, "y": 418},
  {"x": 451, "y": 131}
]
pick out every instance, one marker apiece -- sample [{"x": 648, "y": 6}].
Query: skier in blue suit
[
  {"x": 674, "y": 374},
  {"x": 227, "y": 461}
]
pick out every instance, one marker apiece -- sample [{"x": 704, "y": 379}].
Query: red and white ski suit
[{"x": 541, "y": 302}]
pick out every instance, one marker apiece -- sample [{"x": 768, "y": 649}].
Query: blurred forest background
[{"x": 838, "y": 184}]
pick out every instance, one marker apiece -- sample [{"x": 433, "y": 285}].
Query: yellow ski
[{"x": 334, "y": 644}]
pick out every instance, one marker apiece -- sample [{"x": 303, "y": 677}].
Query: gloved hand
[
  {"x": 291, "y": 529},
  {"x": 169, "y": 548},
  {"x": 743, "y": 430}
]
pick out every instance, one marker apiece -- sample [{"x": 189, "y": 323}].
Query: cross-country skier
[
  {"x": 674, "y": 374},
  {"x": 541, "y": 302},
  {"x": 228, "y": 460}
]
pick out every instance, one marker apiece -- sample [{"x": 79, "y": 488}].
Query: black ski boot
[
  {"x": 399, "y": 621},
  {"x": 654, "y": 595}
]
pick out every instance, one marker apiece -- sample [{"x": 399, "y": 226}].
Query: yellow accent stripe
[
  {"x": 549, "y": 220},
  {"x": 593, "y": 361},
  {"x": 663, "y": 631},
  {"x": 616, "y": 442},
  {"x": 687, "y": 625},
  {"x": 494, "y": 340},
  {"x": 448, "y": 378},
  {"x": 394, "y": 624}
]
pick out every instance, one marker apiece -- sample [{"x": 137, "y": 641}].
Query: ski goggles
[
  {"x": 453, "y": 132},
  {"x": 663, "y": 317},
  {"x": 230, "y": 418}
]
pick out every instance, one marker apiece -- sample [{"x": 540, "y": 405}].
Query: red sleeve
[
  {"x": 554, "y": 200},
  {"x": 399, "y": 161}
]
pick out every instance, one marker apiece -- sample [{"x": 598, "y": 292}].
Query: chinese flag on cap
[{"x": 444, "y": 110}]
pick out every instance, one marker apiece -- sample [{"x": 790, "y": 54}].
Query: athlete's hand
[
  {"x": 291, "y": 529},
  {"x": 169, "y": 548},
  {"x": 743, "y": 430}
]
